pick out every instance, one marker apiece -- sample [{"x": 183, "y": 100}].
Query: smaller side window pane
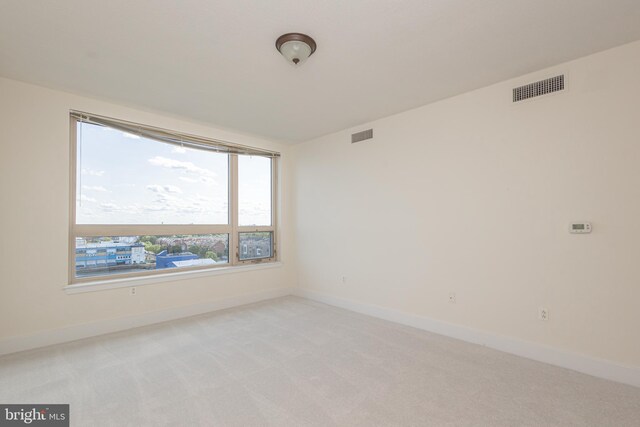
[
  {"x": 108, "y": 256},
  {"x": 254, "y": 190},
  {"x": 256, "y": 245}
]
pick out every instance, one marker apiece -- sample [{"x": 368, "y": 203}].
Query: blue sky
[{"x": 126, "y": 179}]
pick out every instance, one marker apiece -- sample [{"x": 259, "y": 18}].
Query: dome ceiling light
[{"x": 295, "y": 47}]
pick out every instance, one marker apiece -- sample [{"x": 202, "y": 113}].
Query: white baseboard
[
  {"x": 86, "y": 330},
  {"x": 577, "y": 362},
  {"x": 539, "y": 352}
]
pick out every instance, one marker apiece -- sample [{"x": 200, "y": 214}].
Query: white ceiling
[{"x": 215, "y": 60}]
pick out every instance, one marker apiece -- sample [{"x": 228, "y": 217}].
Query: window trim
[
  {"x": 116, "y": 282},
  {"x": 232, "y": 228}
]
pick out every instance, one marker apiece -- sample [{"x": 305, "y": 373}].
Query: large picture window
[{"x": 149, "y": 200}]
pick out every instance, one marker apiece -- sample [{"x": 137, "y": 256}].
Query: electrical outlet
[
  {"x": 452, "y": 297},
  {"x": 132, "y": 291},
  {"x": 543, "y": 314}
]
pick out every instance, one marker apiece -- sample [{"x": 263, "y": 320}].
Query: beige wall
[
  {"x": 474, "y": 195},
  {"x": 471, "y": 195},
  {"x": 34, "y": 189}
]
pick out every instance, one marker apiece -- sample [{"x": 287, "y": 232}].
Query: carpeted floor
[{"x": 293, "y": 362}]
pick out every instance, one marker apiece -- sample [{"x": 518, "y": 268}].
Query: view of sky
[
  {"x": 126, "y": 179},
  {"x": 254, "y": 190}
]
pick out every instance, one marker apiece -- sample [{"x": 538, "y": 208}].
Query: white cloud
[
  {"x": 109, "y": 207},
  {"x": 84, "y": 198},
  {"x": 173, "y": 205},
  {"x": 156, "y": 208},
  {"x": 187, "y": 167},
  {"x": 92, "y": 172},
  {"x": 95, "y": 188},
  {"x": 179, "y": 150},
  {"x": 164, "y": 188},
  {"x": 187, "y": 179},
  {"x": 113, "y": 207}
]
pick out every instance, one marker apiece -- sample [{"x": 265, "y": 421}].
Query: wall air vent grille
[
  {"x": 361, "y": 136},
  {"x": 543, "y": 87}
]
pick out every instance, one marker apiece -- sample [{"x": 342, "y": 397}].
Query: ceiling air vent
[
  {"x": 361, "y": 136},
  {"x": 543, "y": 87}
]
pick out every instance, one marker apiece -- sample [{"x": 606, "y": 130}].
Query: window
[
  {"x": 254, "y": 192},
  {"x": 148, "y": 201},
  {"x": 256, "y": 245}
]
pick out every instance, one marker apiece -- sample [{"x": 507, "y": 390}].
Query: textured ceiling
[{"x": 215, "y": 61}]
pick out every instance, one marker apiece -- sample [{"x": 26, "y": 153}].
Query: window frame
[{"x": 232, "y": 228}]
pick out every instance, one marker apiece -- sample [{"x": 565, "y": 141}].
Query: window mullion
[
  {"x": 233, "y": 239},
  {"x": 274, "y": 204}
]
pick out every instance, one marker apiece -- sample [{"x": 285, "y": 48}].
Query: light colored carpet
[{"x": 293, "y": 362}]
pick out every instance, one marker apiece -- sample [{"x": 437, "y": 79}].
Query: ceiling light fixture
[{"x": 295, "y": 47}]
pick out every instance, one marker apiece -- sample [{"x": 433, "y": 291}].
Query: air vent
[
  {"x": 543, "y": 87},
  {"x": 361, "y": 136}
]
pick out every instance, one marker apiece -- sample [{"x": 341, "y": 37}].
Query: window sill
[{"x": 103, "y": 285}]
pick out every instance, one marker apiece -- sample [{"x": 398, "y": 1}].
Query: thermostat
[{"x": 580, "y": 227}]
